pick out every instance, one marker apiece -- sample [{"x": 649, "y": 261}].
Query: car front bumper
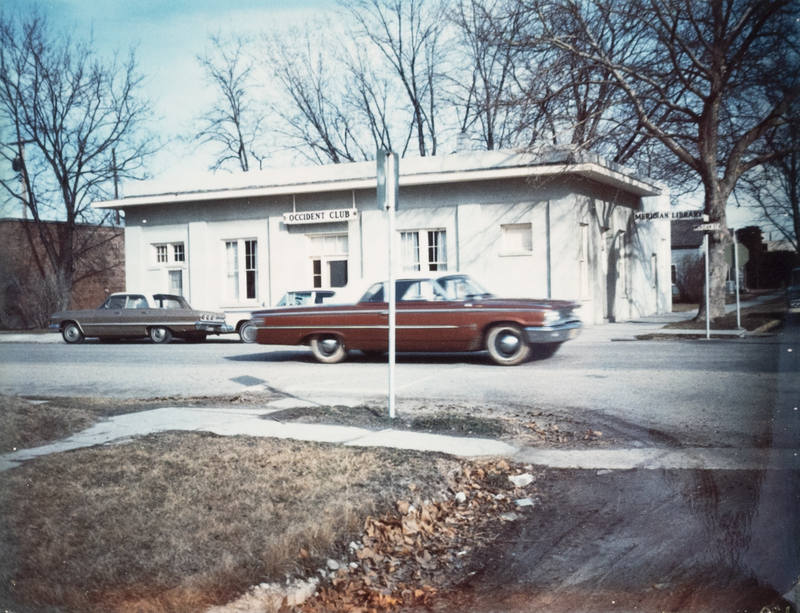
[
  {"x": 214, "y": 327},
  {"x": 553, "y": 334}
]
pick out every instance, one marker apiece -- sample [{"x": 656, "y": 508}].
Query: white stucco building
[{"x": 537, "y": 226}]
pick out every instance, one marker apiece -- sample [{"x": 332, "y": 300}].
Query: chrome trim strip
[
  {"x": 406, "y": 310},
  {"x": 379, "y": 327}
]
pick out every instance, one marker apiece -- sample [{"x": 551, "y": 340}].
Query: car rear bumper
[
  {"x": 553, "y": 334},
  {"x": 54, "y": 327},
  {"x": 214, "y": 327}
]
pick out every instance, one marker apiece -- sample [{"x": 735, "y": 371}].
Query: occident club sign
[{"x": 320, "y": 216}]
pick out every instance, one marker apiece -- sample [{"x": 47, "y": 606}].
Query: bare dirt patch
[
  {"x": 177, "y": 522},
  {"x": 524, "y": 427}
]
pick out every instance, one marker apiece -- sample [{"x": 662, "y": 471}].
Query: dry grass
[
  {"x": 178, "y": 521},
  {"x": 24, "y": 424}
]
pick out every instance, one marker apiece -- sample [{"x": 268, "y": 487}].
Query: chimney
[{"x": 463, "y": 142}]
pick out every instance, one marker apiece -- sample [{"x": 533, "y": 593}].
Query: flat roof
[{"x": 454, "y": 168}]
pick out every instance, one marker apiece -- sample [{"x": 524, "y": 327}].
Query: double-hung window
[
  {"x": 241, "y": 270},
  {"x": 423, "y": 250},
  {"x": 172, "y": 258}
]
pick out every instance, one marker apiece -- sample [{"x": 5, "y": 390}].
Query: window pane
[
  {"x": 437, "y": 254},
  {"x": 338, "y": 271},
  {"x": 409, "y": 251},
  {"x": 161, "y": 253},
  {"x": 176, "y": 282},
  {"x": 178, "y": 253},
  {"x": 232, "y": 257},
  {"x": 317, "y": 272},
  {"x": 317, "y": 244},
  {"x": 250, "y": 249},
  {"x": 251, "y": 257},
  {"x": 517, "y": 238}
]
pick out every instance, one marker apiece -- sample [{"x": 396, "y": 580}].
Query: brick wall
[{"x": 18, "y": 268}]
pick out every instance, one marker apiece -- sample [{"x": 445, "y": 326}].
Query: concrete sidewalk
[
  {"x": 257, "y": 422},
  {"x": 654, "y": 324}
]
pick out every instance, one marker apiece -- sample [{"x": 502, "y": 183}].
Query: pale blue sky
[{"x": 168, "y": 36}]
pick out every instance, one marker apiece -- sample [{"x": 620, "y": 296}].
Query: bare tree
[
  {"x": 485, "y": 91},
  {"x": 774, "y": 188},
  {"x": 77, "y": 128},
  {"x": 231, "y": 123},
  {"x": 711, "y": 64},
  {"x": 314, "y": 115},
  {"x": 406, "y": 33}
]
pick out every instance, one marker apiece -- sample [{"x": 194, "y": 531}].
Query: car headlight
[{"x": 551, "y": 317}]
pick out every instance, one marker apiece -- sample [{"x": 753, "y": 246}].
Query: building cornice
[{"x": 458, "y": 168}]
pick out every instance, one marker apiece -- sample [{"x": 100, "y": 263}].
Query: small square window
[
  {"x": 178, "y": 253},
  {"x": 517, "y": 238},
  {"x": 161, "y": 254}
]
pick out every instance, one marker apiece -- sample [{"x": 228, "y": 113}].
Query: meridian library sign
[{"x": 692, "y": 214}]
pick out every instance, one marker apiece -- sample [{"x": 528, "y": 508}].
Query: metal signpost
[
  {"x": 388, "y": 175},
  {"x": 705, "y": 229},
  {"x": 736, "y": 276}
]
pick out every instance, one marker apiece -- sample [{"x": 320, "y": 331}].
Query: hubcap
[
  {"x": 329, "y": 345},
  {"x": 507, "y": 344},
  {"x": 73, "y": 333},
  {"x": 249, "y": 333},
  {"x": 158, "y": 334}
]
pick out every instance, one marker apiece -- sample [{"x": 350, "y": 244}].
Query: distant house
[
  {"x": 688, "y": 267},
  {"x": 687, "y": 245}
]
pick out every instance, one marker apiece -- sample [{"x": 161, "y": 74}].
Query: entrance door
[
  {"x": 328, "y": 260},
  {"x": 615, "y": 274}
]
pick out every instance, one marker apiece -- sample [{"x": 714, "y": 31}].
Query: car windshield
[
  {"x": 456, "y": 287},
  {"x": 168, "y": 301},
  {"x": 114, "y": 302},
  {"x": 461, "y": 287}
]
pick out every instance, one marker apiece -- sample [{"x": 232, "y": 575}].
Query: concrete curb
[{"x": 689, "y": 331}]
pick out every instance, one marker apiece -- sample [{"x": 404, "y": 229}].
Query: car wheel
[
  {"x": 507, "y": 345},
  {"x": 328, "y": 349},
  {"x": 72, "y": 334},
  {"x": 159, "y": 334},
  {"x": 247, "y": 332}
]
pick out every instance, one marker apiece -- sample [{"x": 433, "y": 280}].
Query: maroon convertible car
[{"x": 445, "y": 313}]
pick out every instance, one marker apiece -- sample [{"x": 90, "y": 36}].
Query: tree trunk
[{"x": 718, "y": 240}]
